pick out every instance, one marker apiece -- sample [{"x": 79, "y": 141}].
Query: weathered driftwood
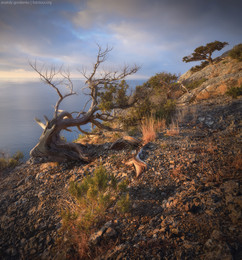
[
  {"x": 140, "y": 165},
  {"x": 129, "y": 142},
  {"x": 52, "y": 147},
  {"x": 125, "y": 143}
]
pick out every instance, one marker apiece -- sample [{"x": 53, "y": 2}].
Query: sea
[{"x": 22, "y": 101}]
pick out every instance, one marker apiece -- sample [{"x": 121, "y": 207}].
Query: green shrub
[
  {"x": 195, "y": 84},
  {"x": 124, "y": 204},
  {"x": 236, "y": 52},
  {"x": 3, "y": 163},
  {"x": 166, "y": 111},
  {"x": 235, "y": 92},
  {"x": 18, "y": 156},
  {"x": 153, "y": 99},
  {"x": 15, "y": 160},
  {"x": 101, "y": 178},
  {"x": 95, "y": 194},
  {"x": 68, "y": 216},
  {"x": 199, "y": 67},
  {"x": 114, "y": 182},
  {"x": 123, "y": 186}
]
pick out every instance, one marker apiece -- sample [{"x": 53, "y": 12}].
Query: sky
[{"x": 154, "y": 34}]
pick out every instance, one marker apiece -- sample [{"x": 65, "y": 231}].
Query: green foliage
[
  {"x": 114, "y": 182},
  {"x": 195, "y": 84},
  {"x": 153, "y": 100},
  {"x": 166, "y": 110},
  {"x": 236, "y": 52},
  {"x": 124, "y": 204},
  {"x": 205, "y": 52},
  {"x": 101, "y": 178},
  {"x": 123, "y": 185},
  {"x": 235, "y": 92},
  {"x": 113, "y": 94},
  {"x": 3, "y": 163},
  {"x": 162, "y": 81},
  {"x": 94, "y": 194},
  {"x": 6, "y": 162},
  {"x": 199, "y": 67},
  {"x": 68, "y": 217},
  {"x": 80, "y": 136}
]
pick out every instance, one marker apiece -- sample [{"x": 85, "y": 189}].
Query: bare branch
[
  {"x": 83, "y": 110},
  {"x": 50, "y": 144},
  {"x": 68, "y": 130},
  {"x": 101, "y": 57},
  {"x": 101, "y": 126},
  {"x": 46, "y": 119},
  {"x": 64, "y": 114},
  {"x": 46, "y": 76},
  {"x": 105, "y": 117},
  {"x": 85, "y": 132},
  {"x": 40, "y": 123}
]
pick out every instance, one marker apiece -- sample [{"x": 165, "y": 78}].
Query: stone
[
  {"x": 230, "y": 187},
  {"x": 12, "y": 251},
  {"x": 28, "y": 179},
  {"x": 96, "y": 237},
  {"x": 41, "y": 194},
  {"x": 110, "y": 233},
  {"x": 217, "y": 235},
  {"x": 39, "y": 176}
]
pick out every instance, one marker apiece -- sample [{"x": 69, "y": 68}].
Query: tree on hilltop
[
  {"x": 107, "y": 92},
  {"x": 205, "y": 52}
]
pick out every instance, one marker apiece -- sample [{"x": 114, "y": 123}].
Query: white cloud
[{"x": 154, "y": 33}]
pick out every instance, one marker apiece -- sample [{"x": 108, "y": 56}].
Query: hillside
[
  {"x": 186, "y": 205},
  {"x": 213, "y": 80}
]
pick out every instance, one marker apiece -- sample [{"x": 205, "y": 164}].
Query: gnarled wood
[
  {"x": 51, "y": 147},
  {"x": 50, "y": 144},
  {"x": 125, "y": 142},
  {"x": 140, "y": 166}
]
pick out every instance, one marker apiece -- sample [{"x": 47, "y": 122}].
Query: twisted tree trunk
[{"x": 52, "y": 147}]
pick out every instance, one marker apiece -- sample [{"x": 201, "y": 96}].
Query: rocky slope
[
  {"x": 217, "y": 79},
  {"x": 186, "y": 205}
]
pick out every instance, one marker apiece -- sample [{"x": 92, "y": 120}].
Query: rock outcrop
[{"x": 218, "y": 78}]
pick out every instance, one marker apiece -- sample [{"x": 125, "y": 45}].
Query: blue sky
[{"x": 155, "y": 34}]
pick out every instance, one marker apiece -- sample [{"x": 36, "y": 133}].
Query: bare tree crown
[{"x": 103, "y": 87}]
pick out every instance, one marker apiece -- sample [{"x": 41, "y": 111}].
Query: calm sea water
[{"x": 21, "y": 102}]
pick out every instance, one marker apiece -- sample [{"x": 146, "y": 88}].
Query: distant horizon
[{"x": 27, "y": 79}]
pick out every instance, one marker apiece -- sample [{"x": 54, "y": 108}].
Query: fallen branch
[{"x": 139, "y": 165}]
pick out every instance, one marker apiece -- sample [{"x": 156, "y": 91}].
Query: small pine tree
[{"x": 205, "y": 52}]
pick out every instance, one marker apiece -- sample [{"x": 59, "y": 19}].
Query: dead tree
[{"x": 50, "y": 145}]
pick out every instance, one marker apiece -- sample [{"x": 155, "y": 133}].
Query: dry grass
[
  {"x": 173, "y": 129},
  {"x": 181, "y": 114},
  {"x": 80, "y": 240},
  {"x": 150, "y": 127}
]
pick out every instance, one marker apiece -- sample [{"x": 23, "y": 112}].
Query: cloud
[
  {"x": 154, "y": 33},
  {"x": 161, "y": 30}
]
